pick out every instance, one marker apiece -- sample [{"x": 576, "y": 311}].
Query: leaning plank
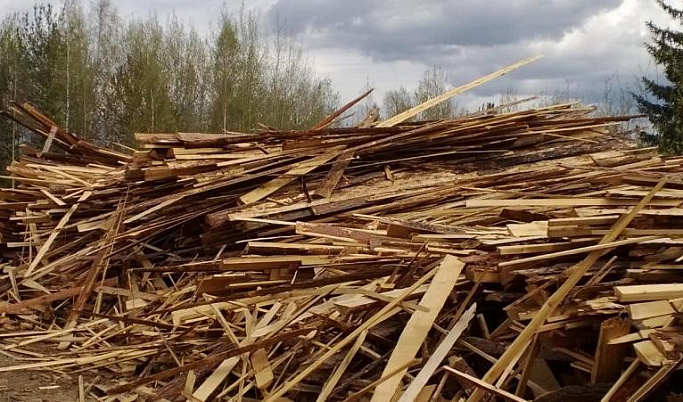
[
  {"x": 437, "y": 357},
  {"x": 418, "y": 326},
  {"x": 657, "y": 378},
  {"x": 414, "y": 111}
]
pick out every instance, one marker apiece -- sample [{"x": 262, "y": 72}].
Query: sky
[{"x": 590, "y": 47}]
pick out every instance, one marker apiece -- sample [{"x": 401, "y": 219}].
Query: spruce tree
[{"x": 663, "y": 102}]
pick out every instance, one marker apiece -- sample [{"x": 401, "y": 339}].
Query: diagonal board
[
  {"x": 415, "y": 332},
  {"x": 401, "y": 117},
  {"x": 575, "y": 272},
  {"x": 437, "y": 357}
]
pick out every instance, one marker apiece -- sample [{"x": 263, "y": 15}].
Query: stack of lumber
[{"x": 495, "y": 255}]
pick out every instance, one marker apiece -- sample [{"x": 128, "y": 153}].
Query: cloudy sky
[{"x": 587, "y": 44}]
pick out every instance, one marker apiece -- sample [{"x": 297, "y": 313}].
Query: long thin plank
[
  {"x": 414, "y": 111},
  {"x": 564, "y": 202},
  {"x": 437, "y": 357},
  {"x": 418, "y": 326}
]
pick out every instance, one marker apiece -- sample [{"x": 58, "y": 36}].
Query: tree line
[{"x": 106, "y": 78}]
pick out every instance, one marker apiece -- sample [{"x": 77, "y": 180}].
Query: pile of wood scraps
[{"x": 497, "y": 255}]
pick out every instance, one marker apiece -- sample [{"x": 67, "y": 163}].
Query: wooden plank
[
  {"x": 438, "y": 356},
  {"x": 329, "y": 183},
  {"x": 414, "y": 111},
  {"x": 45, "y": 247},
  {"x": 379, "y": 316},
  {"x": 577, "y": 250},
  {"x": 641, "y": 311},
  {"x": 649, "y": 354},
  {"x": 564, "y": 202},
  {"x": 609, "y": 357},
  {"x": 419, "y": 324},
  {"x": 655, "y": 291}
]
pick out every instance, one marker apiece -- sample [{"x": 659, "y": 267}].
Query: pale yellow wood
[
  {"x": 414, "y": 111},
  {"x": 437, "y": 357},
  {"x": 263, "y": 373},
  {"x": 418, "y": 326},
  {"x": 659, "y": 291},
  {"x": 641, "y": 311},
  {"x": 649, "y": 354}
]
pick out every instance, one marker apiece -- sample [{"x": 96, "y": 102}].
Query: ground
[{"x": 25, "y": 386}]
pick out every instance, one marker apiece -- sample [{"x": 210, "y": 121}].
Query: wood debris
[{"x": 347, "y": 263}]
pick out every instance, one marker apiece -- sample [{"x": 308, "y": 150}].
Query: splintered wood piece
[
  {"x": 649, "y": 354},
  {"x": 438, "y": 356},
  {"x": 609, "y": 357},
  {"x": 419, "y": 324},
  {"x": 263, "y": 371}
]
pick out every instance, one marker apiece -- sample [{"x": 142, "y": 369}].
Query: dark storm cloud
[{"x": 403, "y": 29}]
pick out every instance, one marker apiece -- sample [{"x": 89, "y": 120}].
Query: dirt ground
[{"x": 30, "y": 386}]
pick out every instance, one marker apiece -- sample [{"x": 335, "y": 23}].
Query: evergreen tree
[{"x": 663, "y": 103}]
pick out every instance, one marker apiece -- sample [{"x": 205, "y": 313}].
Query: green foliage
[
  {"x": 105, "y": 78},
  {"x": 663, "y": 103}
]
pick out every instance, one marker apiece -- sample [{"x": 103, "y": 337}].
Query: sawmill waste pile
[{"x": 499, "y": 255}]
